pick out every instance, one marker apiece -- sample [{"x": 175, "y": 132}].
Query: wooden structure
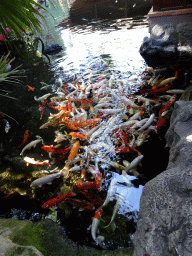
[
  {"x": 170, "y": 12},
  {"x": 90, "y": 9},
  {"x": 165, "y": 5}
]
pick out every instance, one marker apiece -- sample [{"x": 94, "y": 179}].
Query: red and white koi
[
  {"x": 30, "y": 160},
  {"x": 95, "y": 224}
]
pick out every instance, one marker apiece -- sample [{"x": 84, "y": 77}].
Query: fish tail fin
[
  {"x": 100, "y": 238},
  {"x": 108, "y": 225}
]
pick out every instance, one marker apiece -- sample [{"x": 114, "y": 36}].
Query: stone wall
[{"x": 165, "y": 218}]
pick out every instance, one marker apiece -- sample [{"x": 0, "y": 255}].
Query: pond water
[{"x": 109, "y": 47}]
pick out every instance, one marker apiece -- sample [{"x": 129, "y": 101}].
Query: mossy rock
[{"x": 47, "y": 238}]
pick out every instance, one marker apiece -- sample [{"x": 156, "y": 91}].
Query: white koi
[
  {"x": 110, "y": 193},
  {"x": 175, "y": 91},
  {"x": 148, "y": 123},
  {"x": 134, "y": 163},
  {"x": 111, "y": 111},
  {"x": 126, "y": 179},
  {"x": 166, "y": 81},
  {"x": 126, "y": 124},
  {"x": 117, "y": 205},
  {"x": 129, "y": 102},
  {"x": 42, "y": 98},
  {"x": 45, "y": 180},
  {"x": 30, "y": 145},
  {"x": 7, "y": 126}
]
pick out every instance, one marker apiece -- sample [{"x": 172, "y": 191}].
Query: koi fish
[
  {"x": 84, "y": 205},
  {"x": 134, "y": 163},
  {"x": 148, "y": 123},
  {"x": 87, "y": 123},
  {"x": 126, "y": 179},
  {"x": 169, "y": 103},
  {"x": 50, "y": 203},
  {"x": 117, "y": 205},
  {"x": 95, "y": 224},
  {"x": 30, "y": 88},
  {"x": 98, "y": 177},
  {"x": 166, "y": 81},
  {"x": 78, "y": 135},
  {"x": 55, "y": 150},
  {"x": 26, "y": 136},
  {"x": 110, "y": 193},
  {"x": 42, "y": 98},
  {"x": 30, "y": 145},
  {"x": 7, "y": 126},
  {"x": 45, "y": 180},
  {"x": 74, "y": 150},
  {"x": 59, "y": 137},
  {"x": 87, "y": 185},
  {"x": 161, "y": 122},
  {"x": 30, "y": 160}
]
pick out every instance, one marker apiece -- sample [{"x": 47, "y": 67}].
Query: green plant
[
  {"x": 7, "y": 76},
  {"x": 19, "y": 15}
]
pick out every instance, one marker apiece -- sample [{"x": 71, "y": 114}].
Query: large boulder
[{"x": 165, "y": 223}]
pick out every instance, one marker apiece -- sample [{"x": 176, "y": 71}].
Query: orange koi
[
  {"x": 70, "y": 126},
  {"x": 74, "y": 150},
  {"x": 176, "y": 74},
  {"x": 88, "y": 123},
  {"x": 26, "y": 136},
  {"x": 161, "y": 122},
  {"x": 41, "y": 109},
  {"x": 78, "y": 135},
  {"x": 85, "y": 104},
  {"x": 87, "y": 185},
  {"x": 54, "y": 149},
  {"x": 65, "y": 89},
  {"x": 69, "y": 104},
  {"x": 30, "y": 160},
  {"x": 30, "y": 88},
  {"x": 80, "y": 203},
  {"x": 50, "y": 203}
]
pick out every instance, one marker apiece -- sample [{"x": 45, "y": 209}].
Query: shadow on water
[{"x": 108, "y": 47}]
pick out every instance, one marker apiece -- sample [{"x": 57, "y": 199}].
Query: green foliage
[
  {"x": 19, "y": 14},
  {"x": 7, "y": 76}
]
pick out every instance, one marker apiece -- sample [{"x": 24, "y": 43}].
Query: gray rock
[{"x": 165, "y": 224}]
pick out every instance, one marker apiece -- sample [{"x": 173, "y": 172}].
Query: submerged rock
[{"x": 164, "y": 224}]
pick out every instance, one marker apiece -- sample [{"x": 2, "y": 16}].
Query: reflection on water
[{"x": 119, "y": 39}]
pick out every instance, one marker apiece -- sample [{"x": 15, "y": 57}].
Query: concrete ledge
[{"x": 152, "y": 14}]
